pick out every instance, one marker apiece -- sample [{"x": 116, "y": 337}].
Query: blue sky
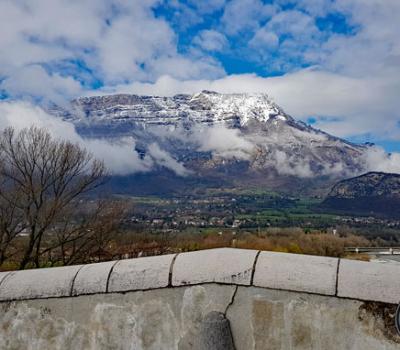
[
  {"x": 233, "y": 50},
  {"x": 335, "y": 63}
]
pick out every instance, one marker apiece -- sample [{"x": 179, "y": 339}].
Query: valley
[
  {"x": 228, "y": 168},
  {"x": 244, "y": 211}
]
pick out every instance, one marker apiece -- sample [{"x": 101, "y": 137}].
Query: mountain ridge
[
  {"x": 241, "y": 136},
  {"x": 373, "y": 193}
]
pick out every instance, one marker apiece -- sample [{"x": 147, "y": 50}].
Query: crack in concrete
[
  {"x": 73, "y": 281},
  {"x": 231, "y": 301},
  {"x": 171, "y": 269},
  {"x": 337, "y": 277},
  {"x": 253, "y": 271},
  {"x": 109, "y": 275},
  {"x": 226, "y": 313}
]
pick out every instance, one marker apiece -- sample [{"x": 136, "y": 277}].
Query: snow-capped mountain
[
  {"x": 230, "y": 135},
  {"x": 205, "y": 107}
]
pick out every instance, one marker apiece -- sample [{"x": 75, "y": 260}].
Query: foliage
[{"x": 289, "y": 240}]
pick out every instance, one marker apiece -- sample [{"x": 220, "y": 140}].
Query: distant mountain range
[
  {"x": 374, "y": 193},
  {"x": 214, "y": 139}
]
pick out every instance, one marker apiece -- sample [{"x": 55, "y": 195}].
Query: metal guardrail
[{"x": 382, "y": 250}]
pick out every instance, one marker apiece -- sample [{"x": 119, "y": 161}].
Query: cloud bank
[
  {"x": 335, "y": 63},
  {"x": 330, "y": 98},
  {"x": 338, "y": 61},
  {"x": 223, "y": 142},
  {"x": 119, "y": 156}
]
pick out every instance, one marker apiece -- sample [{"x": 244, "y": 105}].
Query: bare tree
[
  {"x": 87, "y": 238},
  {"x": 11, "y": 225},
  {"x": 41, "y": 180}
]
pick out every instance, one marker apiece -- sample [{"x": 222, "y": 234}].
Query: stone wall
[{"x": 272, "y": 301}]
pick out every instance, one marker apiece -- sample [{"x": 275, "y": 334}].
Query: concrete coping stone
[
  {"x": 93, "y": 278},
  {"x": 224, "y": 265},
  {"x": 141, "y": 273},
  {"x": 38, "y": 283},
  {"x": 300, "y": 273},
  {"x": 369, "y": 281}
]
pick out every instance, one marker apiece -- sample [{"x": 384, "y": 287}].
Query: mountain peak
[
  {"x": 208, "y": 130},
  {"x": 245, "y": 106},
  {"x": 235, "y": 109}
]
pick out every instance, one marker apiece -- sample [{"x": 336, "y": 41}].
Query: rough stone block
[
  {"x": 92, "y": 278},
  {"x": 369, "y": 281},
  {"x": 141, "y": 273},
  {"x": 225, "y": 265},
  {"x": 38, "y": 283},
  {"x": 215, "y": 333},
  {"x": 302, "y": 273}
]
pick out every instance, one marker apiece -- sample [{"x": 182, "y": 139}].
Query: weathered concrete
[
  {"x": 93, "y": 278},
  {"x": 38, "y": 283},
  {"x": 369, "y": 281},
  {"x": 141, "y": 273},
  {"x": 272, "y": 301},
  {"x": 173, "y": 319},
  {"x": 161, "y": 319},
  {"x": 225, "y": 265},
  {"x": 270, "y": 319},
  {"x": 296, "y": 272}
]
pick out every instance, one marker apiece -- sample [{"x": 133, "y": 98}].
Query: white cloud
[
  {"x": 354, "y": 106},
  {"x": 211, "y": 40},
  {"x": 22, "y": 114},
  {"x": 376, "y": 159},
  {"x": 119, "y": 156},
  {"x": 315, "y": 7},
  {"x": 244, "y": 15},
  {"x": 207, "y": 6},
  {"x": 264, "y": 40},
  {"x": 286, "y": 166},
  {"x": 118, "y": 40},
  {"x": 53, "y": 49},
  {"x": 164, "y": 159},
  {"x": 285, "y": 41},
  {"x": 34, "y": 81},
  {"x": 224, "y": 142}
]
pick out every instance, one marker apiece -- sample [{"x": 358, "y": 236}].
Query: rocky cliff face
[
  {"x": 373, "y": 184},
  {"x": 205, "y": 108},
  {"x": 239, "y": 136},
  {"x": 374, "y": 193}
]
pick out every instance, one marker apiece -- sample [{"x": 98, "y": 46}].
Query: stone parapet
[{"x": 369, "y": 281}]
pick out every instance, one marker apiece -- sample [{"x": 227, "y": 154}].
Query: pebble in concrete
[
  {"x": 302, "y": 273},
  {"x": 369, "y": 281},
  {"x": 227, "y": 265},
  {"x": 215, "y": 333},
  {"x": 141, "y": 273},
  {"x": 38, "y": 283}
]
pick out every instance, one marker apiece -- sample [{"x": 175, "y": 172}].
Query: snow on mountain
[
  {"x": 218, "y": 133},
  {"x": 205, "y": 107}
]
